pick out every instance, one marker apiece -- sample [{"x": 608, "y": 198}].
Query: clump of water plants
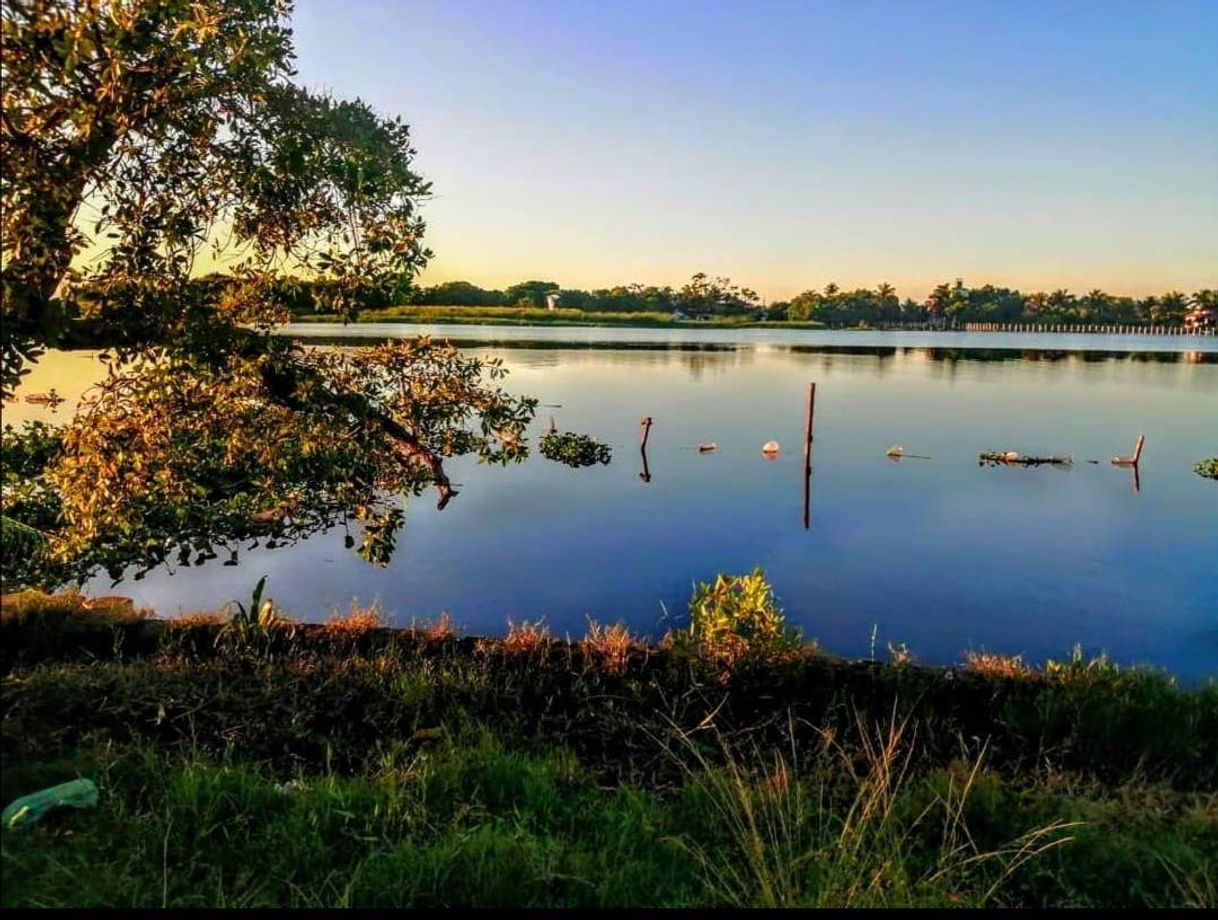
[
  {"x": 573, "y": 449},
  {"x": 1207, "y": 468},
  {"x": 1008, "y": 457},
  {"x": 737, "y": 617}
]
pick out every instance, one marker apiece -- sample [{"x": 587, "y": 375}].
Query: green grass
[
  {"x": 468, "y": 821},
  {"x": 520, "y": 316},
  {"x": 475, "y": 823},
  {"x": 432, "y": 770}
]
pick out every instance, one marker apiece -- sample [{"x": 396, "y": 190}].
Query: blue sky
[{"x": 789, "y": 144}]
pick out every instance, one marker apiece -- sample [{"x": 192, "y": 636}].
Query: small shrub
[
  {"x": 737, "y": 617},
  {"x": 260, "y": 618},
  {"x": 574, "y": 450}
]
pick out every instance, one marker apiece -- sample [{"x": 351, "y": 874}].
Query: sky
[{"x": 790, "y": 144}]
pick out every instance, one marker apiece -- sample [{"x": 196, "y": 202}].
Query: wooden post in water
[
  {"x": 645, "y": 424},
  {"x": 1132, "y": 459},
  {"x": 808, "y": 454}
]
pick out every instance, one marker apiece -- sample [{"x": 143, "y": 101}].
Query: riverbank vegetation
[
  {"x": 531, "y": 316},
  {"x": 704, "y": 301},
  {"x": 347, "y": 763}
]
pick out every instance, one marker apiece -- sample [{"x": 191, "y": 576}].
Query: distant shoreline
[
  {"x": 517, "y": 316},
  {"x": 520, "y": 316}
]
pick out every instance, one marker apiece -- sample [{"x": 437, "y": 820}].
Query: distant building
[
  {"x": 1200, "y": 318},
  {"x": 934, "y": 313},
  {"x": 552, "y": 300}
]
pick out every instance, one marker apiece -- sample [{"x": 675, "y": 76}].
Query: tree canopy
[{"x": 138, "y": 137}]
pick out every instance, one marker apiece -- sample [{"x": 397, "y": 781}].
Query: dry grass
[
  {"x": 357, "y": 621},
  {"x": 995, "y": 665},
  {"x": 610, "y": 645},
  {"x": 899, "y": 655},
  {"x": 781, "y": 841},
  {"x": 441, "y": 629},
  {"x": 198, "y": 618},
  {"x": 526, "y": 637}
]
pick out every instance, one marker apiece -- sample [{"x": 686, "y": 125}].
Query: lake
[{"x": 941, "y": 554}]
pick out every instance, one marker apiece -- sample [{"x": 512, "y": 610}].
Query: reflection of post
[
  {"x": 808, "y": 455},
  {"x": 807, "y": 495},
  {"x": 645, "y": 423}
]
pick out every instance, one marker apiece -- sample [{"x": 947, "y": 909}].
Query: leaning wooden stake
[
  {"x": 808, "y": 454},
  {"x": 1133, "y": 459}
]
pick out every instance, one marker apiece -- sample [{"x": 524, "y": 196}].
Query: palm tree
[
  {"x": 1169, "y": 310},
  {"x": 1035, "y": 304},
  {"x": 1095, "y": 306}
]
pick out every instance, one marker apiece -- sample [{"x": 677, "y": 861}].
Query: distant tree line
[
  {"x": 956, "y": 304},
  {"x": 950, "y": 304},
  {"x": 701, "y": 295}
]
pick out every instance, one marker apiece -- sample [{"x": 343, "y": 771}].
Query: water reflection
[{"x": 941, "y": 554}]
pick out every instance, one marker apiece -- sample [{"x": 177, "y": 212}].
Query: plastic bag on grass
[{"x": 29, "y": 809}]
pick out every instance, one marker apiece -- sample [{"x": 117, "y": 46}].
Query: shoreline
[
  {"x": 512, "y": 316},
  {"x": 254, "y": 765}
]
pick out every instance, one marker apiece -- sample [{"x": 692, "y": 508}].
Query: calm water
[{"x": 940, "y": 554}]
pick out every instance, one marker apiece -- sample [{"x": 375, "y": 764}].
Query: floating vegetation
[
  {"x": 1207, "y": 468},
  {"x": 50, "y": 398},
  {"x": 574, "y": 449},
  {"x": 897, "y": 451},
  {"x": 1008, "y": 457}
]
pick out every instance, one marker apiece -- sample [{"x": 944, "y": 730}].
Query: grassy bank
[
  {"x": 347, "y": 763},
  {"x": 519, "y": 316}
]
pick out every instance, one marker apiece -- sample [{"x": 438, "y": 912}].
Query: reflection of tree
[
  {"x": 161, "y": 463},
  {"x": 698, "y": 363}
]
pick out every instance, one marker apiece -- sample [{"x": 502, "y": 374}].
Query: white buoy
[{"x": 770, "y": 449}]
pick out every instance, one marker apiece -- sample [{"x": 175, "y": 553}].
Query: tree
[
  {"x": 458, "y": 294},
  {"x": 703, "y": 294},
  {"x": 805, "y": 306},
  {"x": 145, "y": 131},
  {"x": 532, "y": 293},
  {"x": 1170, "y": 309},
  {"x": 1095, "y": 307}
]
